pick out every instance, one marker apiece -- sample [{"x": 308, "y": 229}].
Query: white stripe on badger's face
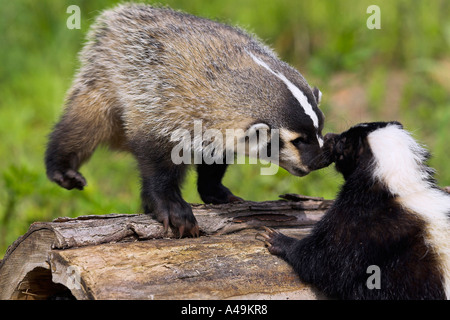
[
  {"x": 296, "y": 92},
  {"x": 320, "y": 140}
]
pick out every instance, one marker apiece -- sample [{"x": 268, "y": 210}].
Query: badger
[
  {"x": 390, "y": 220},
  {"x": 148, "y": 71}
]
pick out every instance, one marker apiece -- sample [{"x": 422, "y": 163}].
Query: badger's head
[
  {"x": 299, "y": 134},
  {"x": 301, "y": 139},
  {"x": 294, "y": 113},
  {"x": 357, "y": 148}
]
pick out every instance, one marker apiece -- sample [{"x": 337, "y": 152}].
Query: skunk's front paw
[{"x": 276, "y": 242}]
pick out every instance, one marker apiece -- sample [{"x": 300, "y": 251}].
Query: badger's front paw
[
  {"x": 276, "y": 242},
  {"x": 67, "y": 178},
  {"x": 178, "y": 215}
]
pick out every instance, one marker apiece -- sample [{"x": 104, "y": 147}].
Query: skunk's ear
[
  {"x": 397, "y": 123},
  {"x": 317, "y": 95},
  {"x": 361, "y": 146}
]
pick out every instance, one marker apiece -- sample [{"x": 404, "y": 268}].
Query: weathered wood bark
[{"x": 127, "y": 256}]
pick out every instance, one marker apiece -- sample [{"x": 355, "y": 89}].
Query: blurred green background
[{"x": 400, "y": 72}]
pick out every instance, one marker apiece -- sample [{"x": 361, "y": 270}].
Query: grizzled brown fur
[{"x": 146, "y": 72}]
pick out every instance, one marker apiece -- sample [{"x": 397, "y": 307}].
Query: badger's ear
[
  {"x": 256, "y": 128},
  {"x": 317, "y": 95},
  {"x": 257, "y": 137},
  {"x": 259, "y": 126}
]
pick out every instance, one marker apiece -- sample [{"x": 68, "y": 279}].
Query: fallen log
[{"x": 127, "y": 256}]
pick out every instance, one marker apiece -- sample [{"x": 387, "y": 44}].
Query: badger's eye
[{"x": 299, "y": 140}]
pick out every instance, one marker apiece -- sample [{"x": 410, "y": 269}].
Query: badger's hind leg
[
  {"x": 89, "y": 119},
  {"x": 209, "y": 184}
]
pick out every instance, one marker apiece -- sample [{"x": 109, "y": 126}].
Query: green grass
[{"x": 322, "y": 39}]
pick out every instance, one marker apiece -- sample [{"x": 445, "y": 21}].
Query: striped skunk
[{"x": 389, "y": 215}]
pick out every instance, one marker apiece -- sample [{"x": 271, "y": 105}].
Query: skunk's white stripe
[
  {"x": 296, "y": 92},
  {"x": 399, "y": 165}
]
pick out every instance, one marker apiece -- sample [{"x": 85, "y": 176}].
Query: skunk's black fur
[{"x": 366, "y": 226}]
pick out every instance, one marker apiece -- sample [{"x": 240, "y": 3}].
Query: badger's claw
[{"x": 68, "y": 179}]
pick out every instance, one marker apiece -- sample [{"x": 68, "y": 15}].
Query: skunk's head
[{"x": 351, "y": 149}]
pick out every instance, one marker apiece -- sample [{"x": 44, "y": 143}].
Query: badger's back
[{"x": 168, "y": 68}]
